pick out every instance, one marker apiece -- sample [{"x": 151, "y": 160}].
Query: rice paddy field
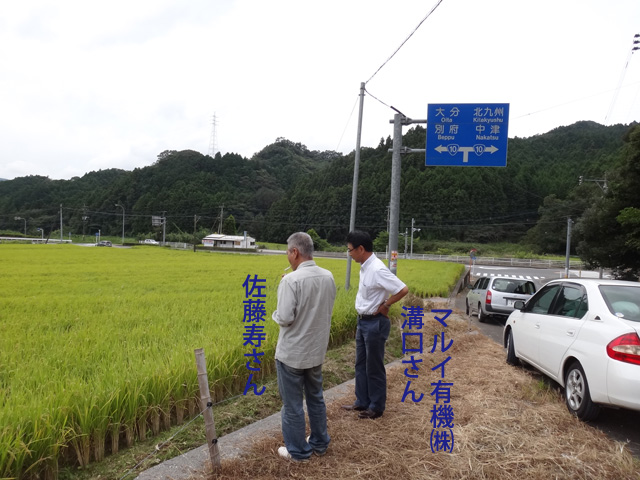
[{"x": 97, "y": 344}]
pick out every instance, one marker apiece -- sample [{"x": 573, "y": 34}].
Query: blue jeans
[
  {"x": 371, "y": 376},
  {"x": 292, "y": 382}
]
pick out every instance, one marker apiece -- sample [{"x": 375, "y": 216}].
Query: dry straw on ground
[{"x": 508, "y": 425}]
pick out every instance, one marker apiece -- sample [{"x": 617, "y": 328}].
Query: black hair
[{"x": 358, "y": 237}]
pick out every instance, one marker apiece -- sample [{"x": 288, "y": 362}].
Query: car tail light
[
  {"x": 625, "y": 348},
  {"x": 488, "y": 299}
]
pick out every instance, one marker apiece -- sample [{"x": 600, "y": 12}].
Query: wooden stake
[{"x": 205, "y": 407}]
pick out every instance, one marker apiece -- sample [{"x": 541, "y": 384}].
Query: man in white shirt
[
  {"x": 305, "y": 305},
  {"x": 377, "y": 291}
]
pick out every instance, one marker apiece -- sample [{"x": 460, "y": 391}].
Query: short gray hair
[{"x": 303, "y": 242}]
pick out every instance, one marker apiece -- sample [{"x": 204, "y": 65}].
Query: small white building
[{"x": 229, "y": 241}]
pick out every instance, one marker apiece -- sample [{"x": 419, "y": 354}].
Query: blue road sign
[{"x": 467, "y": 134}]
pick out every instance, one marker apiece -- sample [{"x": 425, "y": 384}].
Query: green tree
[
  {"x": 381, "y": 241},
  {"x": 229, "y": 226},
  {"x": 608, "y": 231},
  {"x": 319, "y": 244}
]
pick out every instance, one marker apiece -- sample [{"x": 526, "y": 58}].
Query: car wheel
[
  {"x": 482, "y": 317},
  {"x": 467, "y": 303},
  {"x": 511, "y": 351},
  {"x": 576, "y": 394}
]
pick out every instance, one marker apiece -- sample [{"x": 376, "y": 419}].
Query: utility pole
[
  {"x": 164, "y": 226},
  {"x": 354, "y": 189},
  {"x": 398, "y": 121},
  {"x": 61, "y": 224},
  {"x": 25, "y": 224},
  {"x": 386, "y": 252},
  {"x": 84, "y": 220},
  {"x": 406, "y": 235},
  {"x": 195, "y": 222},
  {"x": 413, "y": 222},
  {"x": 566, "y": 267},
  {"x": 220, "y": 224},
  {"x": 394, "y": 210},
  {"x": 121, "y": 206}
]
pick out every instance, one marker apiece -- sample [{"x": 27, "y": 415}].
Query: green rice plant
[
  {"x": 429, "y": 279},
  {"x": 95, "y": 342},
  {"x": 129, "y": 413}
]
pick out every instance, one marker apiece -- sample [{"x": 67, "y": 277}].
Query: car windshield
[
  {"x": 514, "y": 286},
  {"x": 623, "y": 301}
]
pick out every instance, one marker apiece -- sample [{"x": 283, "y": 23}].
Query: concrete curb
[{"x": 231, "y": 446}]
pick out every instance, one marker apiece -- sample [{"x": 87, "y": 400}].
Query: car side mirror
[{"x": 519, "y": 305}]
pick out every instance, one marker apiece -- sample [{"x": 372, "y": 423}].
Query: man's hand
[{"x": 383, "y": 309}]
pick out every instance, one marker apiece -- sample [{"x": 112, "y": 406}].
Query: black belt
[{"x": 368, "y": 317}]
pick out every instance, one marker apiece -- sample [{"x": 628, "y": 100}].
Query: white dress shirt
[{"x": 377, "y": 283}]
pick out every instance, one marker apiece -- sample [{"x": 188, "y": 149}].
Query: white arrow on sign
[{"x": 453, "y": 149}]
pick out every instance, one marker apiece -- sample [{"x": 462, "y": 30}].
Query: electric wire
[
  {"x": 347, "y": 123},
  {"x": 405, "y": 41},
  {"x": 633, "y": 48}
]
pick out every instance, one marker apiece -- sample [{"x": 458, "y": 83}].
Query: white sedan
[{"x": 585, "y": 335}]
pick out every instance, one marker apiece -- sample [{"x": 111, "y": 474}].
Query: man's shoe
[
  {"x": 370, "y": 414},
  {"x": 358, "y": 408},
  {"x": 284, "y": 453},
  {"x": 316, "y": 452}
]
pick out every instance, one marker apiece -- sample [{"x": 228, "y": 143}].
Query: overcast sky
[{"x": 87, "y": 85}]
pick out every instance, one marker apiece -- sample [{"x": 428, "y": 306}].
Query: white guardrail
[
  {"x": 495, "y": 261},
  {"x": 33, "y": 240},
  {"x": 464, "y": 259}
]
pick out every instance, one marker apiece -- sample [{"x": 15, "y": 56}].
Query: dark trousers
[{"x": 371, "y": 376}]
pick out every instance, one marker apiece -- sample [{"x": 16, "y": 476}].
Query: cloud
[{"x": 86, "y": 85}]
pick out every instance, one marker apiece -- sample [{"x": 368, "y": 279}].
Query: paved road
[{"x": 620, "y": 424}]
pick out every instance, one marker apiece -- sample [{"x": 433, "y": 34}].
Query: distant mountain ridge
[{"x": 286, "y": 187}]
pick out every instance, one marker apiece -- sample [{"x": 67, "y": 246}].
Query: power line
[
  {"x": 405, "y": 41},
  {"x": 634, "y": 46}
]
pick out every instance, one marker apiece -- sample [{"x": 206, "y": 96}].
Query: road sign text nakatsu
[{"x": 467, "y": 134}]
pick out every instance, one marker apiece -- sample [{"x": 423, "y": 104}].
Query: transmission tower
[{"x": 213, "y": 141}]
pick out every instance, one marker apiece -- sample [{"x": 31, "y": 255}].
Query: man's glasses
[{"x": 349, "y": 250}]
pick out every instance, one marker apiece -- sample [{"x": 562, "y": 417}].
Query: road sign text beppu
[{"x": 467, "y": 134}]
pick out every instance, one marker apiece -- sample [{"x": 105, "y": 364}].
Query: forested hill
[
  {"x": 285, "y": 188},
  {"x": 461, "y": 203}
]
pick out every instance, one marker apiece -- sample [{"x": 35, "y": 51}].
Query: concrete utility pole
[
  {"x": 25, "y": 224},
  {"x": 406, "y": 238},
  {"x": 413, "y": 229},
  {"x": 164, "y": 226},
  {"x": 394, "y": 210},
  {"x": 220, "y": 225},
  {"x": 354, "y": 189},
  {"x": 394, "y": 214},
  {"x": 121, "y": 206},
  {"x": 61, "y": 238},
  {"x": 566, "y": 267}
]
